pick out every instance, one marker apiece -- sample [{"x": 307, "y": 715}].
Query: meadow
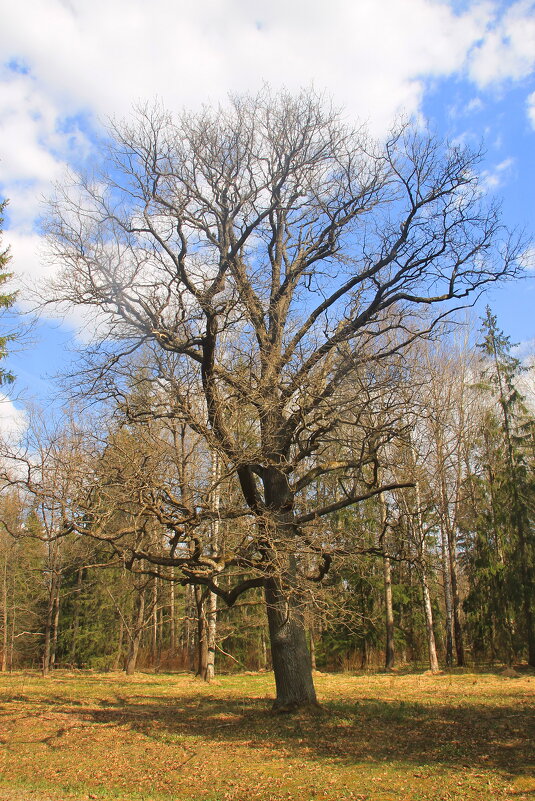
[{"x": 170, "y": 737}]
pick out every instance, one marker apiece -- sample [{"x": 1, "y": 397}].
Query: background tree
[{"x": 503, "y": 551}]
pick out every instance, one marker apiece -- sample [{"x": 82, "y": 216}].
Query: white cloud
[
  {"x": 13, "y": 421},
  {"x": 497, "y": 176},
  {"x": 102, "y": 56},
  {"x": 508, "y": 49},
  {"x": 74, "y": 63}
]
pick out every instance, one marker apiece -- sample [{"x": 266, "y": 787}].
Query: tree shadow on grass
[{"x": 371, "y": 730}]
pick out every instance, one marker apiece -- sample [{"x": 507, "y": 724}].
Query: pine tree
[{"x": 511, "y": 488}]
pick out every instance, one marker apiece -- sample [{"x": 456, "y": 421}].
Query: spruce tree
[{"x": 512, "y": 493}]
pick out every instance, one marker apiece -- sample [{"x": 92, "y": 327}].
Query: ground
[{"x": 385, "y": 737}]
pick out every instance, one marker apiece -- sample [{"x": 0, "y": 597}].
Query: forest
[
  {"x": 282, "y": 447},
  {"x": 434, "y": 574}
]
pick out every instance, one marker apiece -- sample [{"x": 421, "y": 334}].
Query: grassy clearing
[{"x": 383, "y": 737}]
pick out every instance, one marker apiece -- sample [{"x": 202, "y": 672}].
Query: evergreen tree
[{"x": 504, "y": 550}]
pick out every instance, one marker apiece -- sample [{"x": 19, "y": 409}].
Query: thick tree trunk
[{"x": 289, "y": 651}]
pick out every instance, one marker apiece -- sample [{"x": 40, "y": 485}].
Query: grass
[{"x": 414, "y": 737}]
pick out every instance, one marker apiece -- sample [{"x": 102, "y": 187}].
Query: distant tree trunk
[
  {"x": 119, "y": 651},
  {"x": 154, "y": 628},
  {"x": 172, "y": 616},
  {"x": 448, "y": 602},
  {"x": 263, "y": 645},
  {"x": 5, "y": 621},
  {"x": 55, "y": 624},
  {"x": 311, "y": 635},
  {"x": 202, "y": 634},
  {"x": 421, "y": 544},
  {"x": 135, "y": 634},
  {"x": 49, "y": 623},
  {"x": 459, "y": 646},
  {"x": 211, "y": 601},
  {"x": 76, "y": 616},
  {"x": 428, "y": 613},
  {"x": 211, "y": 634},
  {"x": 389, "y": 614}
]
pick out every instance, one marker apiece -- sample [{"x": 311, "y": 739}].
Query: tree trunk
[
  {"x": 48, "y": 626},
  {"x": 76, "y": 617},
  {"x": 211, "y": 632},
  {"x": 154, "y": 627},
  {"x": 448, "y": 602},
  {"x": 119, "y": 652},
  {"x": 428, "y": 612},
  {"x": 311, "y": 635},
  {"x": 211, "y": 601},
  {"x": 202, "y": 634},
  {"x": 5, "y": 634},
  {"x": 172, "y": 616},
  {"x": 55, "y": 625},
  {"x": 389, "y": 614},
  {"x": 289, "y": 652},
  {"x": 457, "y": 625},
  {"x": 135, "y": 635}
]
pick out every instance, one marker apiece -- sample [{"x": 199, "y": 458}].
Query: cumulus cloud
[
  {"x": 13, "y": 421},
  {"x": 507, "y": 51},
  {"x": 70, "y": 64}
]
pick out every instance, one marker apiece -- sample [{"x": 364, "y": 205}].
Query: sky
[{"x": 466, "y": 69}]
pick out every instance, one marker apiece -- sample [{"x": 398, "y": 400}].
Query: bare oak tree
[{"x": 261, "y": 253}]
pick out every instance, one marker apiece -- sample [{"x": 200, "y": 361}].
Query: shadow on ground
[{"x": 368, "y": 729}]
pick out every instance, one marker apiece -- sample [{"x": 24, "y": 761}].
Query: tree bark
[
  {"x": 5, "y": 621},
  {"x": 428, "y": 612},
  {"x": 457, "y": 624},
  {"x": 389, "y": 614},
  {"x": 448, "y": 602},
  {"x": 55, "y": 624},
  {"x": 135, "y": 634},
  {"x": 202, "y": 634},
  {"x": 289, "y": 651}
]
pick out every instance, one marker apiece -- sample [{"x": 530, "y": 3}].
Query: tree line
[{"x": 437, "y": 571}]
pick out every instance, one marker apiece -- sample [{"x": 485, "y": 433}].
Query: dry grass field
[{"x": 463, "y": 736}]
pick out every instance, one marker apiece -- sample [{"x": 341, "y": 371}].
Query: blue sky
[{"x": 466, "y": 68}]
